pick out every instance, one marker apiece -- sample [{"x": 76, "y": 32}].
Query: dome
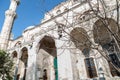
[{"x": 30, "y": 27}]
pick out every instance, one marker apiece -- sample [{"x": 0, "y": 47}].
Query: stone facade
[{"x": 58, "y": 48}]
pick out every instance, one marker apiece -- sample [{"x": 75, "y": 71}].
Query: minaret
[{"x": 10, "y": 15}]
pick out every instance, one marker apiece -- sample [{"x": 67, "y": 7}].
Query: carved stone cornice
[{"x": 10, "y": 13}]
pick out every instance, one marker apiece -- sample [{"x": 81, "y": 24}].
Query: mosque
[{"x": 76, "y": 40}]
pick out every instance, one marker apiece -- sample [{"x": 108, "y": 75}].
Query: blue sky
[{"x": 29, "y": 12}]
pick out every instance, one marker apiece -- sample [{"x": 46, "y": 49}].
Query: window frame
[
  {"x": 90, "y": 68},
  {"x": 113, "y": 71}
]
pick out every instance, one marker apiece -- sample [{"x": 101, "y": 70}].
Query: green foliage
[{"x": 5, "y": 66}]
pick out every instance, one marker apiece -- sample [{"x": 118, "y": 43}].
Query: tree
[
  {"x": 106, "y": 30},
  {"x": 5, "y": 66},
  {"x": 109, "y": 24}
]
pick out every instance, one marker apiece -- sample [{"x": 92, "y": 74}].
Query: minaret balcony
[
  {"x": 10, "y": 13},
  {"x": 17, "y": 1}
]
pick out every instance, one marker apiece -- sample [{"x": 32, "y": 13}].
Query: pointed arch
[
  {"x": 47, "y": 56},
  {"x": 101, "y": 33},
  {"x": 23, "y": 63},
  {"x": 24, "y": 56},
  {"x": 80, "y": 38},
  {"x": 104, "y": 37},
  {"x": 14, "y": 54},
  {"x": 48, "y": 44}
]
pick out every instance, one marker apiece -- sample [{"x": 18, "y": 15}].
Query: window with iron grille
[
  {"x": 90, "y": 68},
  {"x": 116, "y": 63}
]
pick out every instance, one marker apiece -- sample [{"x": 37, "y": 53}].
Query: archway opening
[
  {"x": 101, "y": 33},
  {"x": 14, "y": 54},
  {"x": 104, "y": 37},
  {"x": 14, "y": 58},
  {"x": 47, "y": 55},
  {"x": 81, "y": 40},
  {"x": 23, "y": 63},
  {"x": 24, "y": 56},
  {"x": 48, "y": 44}
]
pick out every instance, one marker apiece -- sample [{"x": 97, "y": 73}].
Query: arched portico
[
  {"x": 22, "y": 67},
  {"x": 47, "y": 59},
  {"x": 82, "y": 42},
  {"x": 14, "y": 54}
]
